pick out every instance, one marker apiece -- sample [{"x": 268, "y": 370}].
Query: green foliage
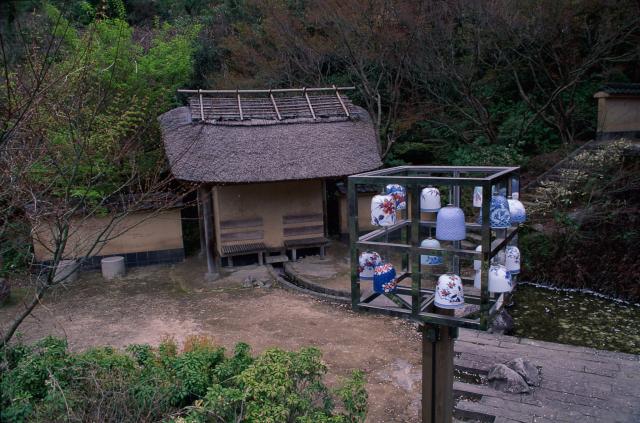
[{"x": 46, "y": 382}]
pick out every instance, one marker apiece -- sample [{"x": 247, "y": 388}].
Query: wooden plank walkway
[{"x": 578, "y": 384}]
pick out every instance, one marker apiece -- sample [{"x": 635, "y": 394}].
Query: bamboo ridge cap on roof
[{"x": 288, "y": 103}]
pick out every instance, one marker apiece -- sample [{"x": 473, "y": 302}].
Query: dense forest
[{"x": 446, "y": 82}]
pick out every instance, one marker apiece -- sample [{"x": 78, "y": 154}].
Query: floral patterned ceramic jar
[
  {"x": 367, "y": 263},
  {"x": 449, "y": 292},
  {"x": 499, "y": 216},
  {"x": 450, "y": 224},
  {"x": 399, "y": 194},
  {"x": 384, "y": 279},
  {"x": 383, "y": 210},
  {"x": 430, "y": 200},
  {"x": 512, "y": 260},
  {"x": 517, "y": 211},
  {"x": 499, "y": 279},
  {"x": 428, "y": 260},
  {"x": 477, "y": 197}
]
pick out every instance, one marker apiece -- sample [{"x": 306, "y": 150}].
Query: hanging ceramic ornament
[
  {"x": 383, "y": 210},
  {"x": 399, "y": 194}
]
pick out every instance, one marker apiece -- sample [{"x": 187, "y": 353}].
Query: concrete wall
[
  {"x": 618, "y": 114},
  {"x": 140, "y": 232},
  {"x": 255, "y": 212}
]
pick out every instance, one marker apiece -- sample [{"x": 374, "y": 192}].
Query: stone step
[{"x": 281, "y": 258}]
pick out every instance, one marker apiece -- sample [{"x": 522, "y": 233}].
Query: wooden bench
[
  {"x": 303, "y": 231},
  {"x": 249, "y": 231}
]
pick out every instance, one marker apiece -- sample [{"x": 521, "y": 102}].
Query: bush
[{"x": 46, "y": 382}]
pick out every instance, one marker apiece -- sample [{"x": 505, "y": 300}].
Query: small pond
[{"x": 574, "y": 317}]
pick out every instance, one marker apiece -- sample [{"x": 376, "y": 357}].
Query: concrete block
[{"x": 112, "y": 267}]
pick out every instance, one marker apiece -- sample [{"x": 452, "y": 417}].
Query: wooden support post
[
  {"x": 204, "y": 192},
  {"x": 260, "y": 259},
  {"x": 203, "y": 243},
  {"x": 322, "y": 251},
  {"x": 437, "y": 371},
  {"x": 293, "y": 254}
]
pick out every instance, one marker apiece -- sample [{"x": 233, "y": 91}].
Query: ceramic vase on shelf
[
  {"x": 367, "y": 262},
  {"x": 499, "y": 279},
  {"x": 499, "y": 258},
  {"x": 383, "y": 210},
  {"x": 499, "y": 216},
  {"x": 399, "y": 194},
  {"x": 449, "y": 292},
  {"x": 384, "y": 279},
  {"x": 430, "y": 200},
  {"x": 477, "y": 197},
  {"x": 450, "y": 225},
  {"x": 512, "y": 259},
  {"x": 517, "y": 211},
  {"x": 429, "y": 260}
]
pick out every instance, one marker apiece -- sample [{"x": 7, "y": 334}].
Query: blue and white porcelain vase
[
  {"x": 499, "y": 258},
  {"x": 399, "y": 194},
  {"x": 367, "y": 263},
  {"x": 430, "y": 200},
  {"x": 517, "y": 211},
  {"x": 450, "y": 224},
  {"x": 383, "y": 210},
  {"x": 499, "y": 216},
  {"x": 499, "y": 279},
  {"x": 449, "y": 293},
  {"x": 429, "y": 260},
  {"x": 477, "y": 197},
  {"x": 512, "y": 259},
  {"x": 384, "y": 279}
]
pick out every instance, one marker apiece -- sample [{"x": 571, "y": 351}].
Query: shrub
[{"x": 46, "y": 382}]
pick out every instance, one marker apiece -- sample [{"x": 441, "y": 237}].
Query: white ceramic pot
[
  {"x": 499, "y": 279},
  {"x": 367, "y": 262},
  {"x": 383, "y": 210},
  {"x": 476, "y": 279},
  {"x": 477, "y": 197},
  {"x": 512, "y": 260},
  {"x": 430, "y": 200},
  {"x": 477, "y": 264},
  {"x": 449, "y": 292},
  {"x": 428, "y": 260}
]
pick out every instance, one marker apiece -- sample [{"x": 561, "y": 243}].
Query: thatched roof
[{"x": 259, "y": 150}]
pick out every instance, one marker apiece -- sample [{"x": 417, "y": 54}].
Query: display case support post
[{"x": 437, "y": 372}]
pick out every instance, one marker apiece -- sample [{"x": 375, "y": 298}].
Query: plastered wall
[
  {"x": 618, "y": 114},
  {"x": 364, "y": 213},
  {"x": 270, "y": 202},
  {"x": 137, "y": 232}
]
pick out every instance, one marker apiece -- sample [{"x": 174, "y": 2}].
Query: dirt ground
[{"x": 152, "y": 303}]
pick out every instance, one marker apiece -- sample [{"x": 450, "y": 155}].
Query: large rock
[
  {"x": 526, "y": 369},
  {"x": 502, "y": 324},
  {"x": 505, "y": 379}
]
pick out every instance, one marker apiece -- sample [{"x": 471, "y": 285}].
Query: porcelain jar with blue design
[
  {"x": 383, "y": 210},
  {"x": 450, "y": 225},
  {"x": 517, "y": 211},
  {"x": 430, "y": 200},
  {"x": 499, "y": 279},
  {"x": 499, "y": 216},
  {"x": 512, "y": 259},
  {"x": 449, "y": 293},
  {"x": 429, "y": 260},
  {"x": 384, "y": 279},
  {"x": 477, "y": 197},
  {"x": 399, "y": 194},
  {"x": 367, "y": 263}
]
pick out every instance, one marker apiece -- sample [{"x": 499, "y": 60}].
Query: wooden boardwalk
[{"x": 578, "y": 384}]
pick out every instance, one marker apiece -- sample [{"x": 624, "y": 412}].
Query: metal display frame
[{"x": 415, "y": 302}]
